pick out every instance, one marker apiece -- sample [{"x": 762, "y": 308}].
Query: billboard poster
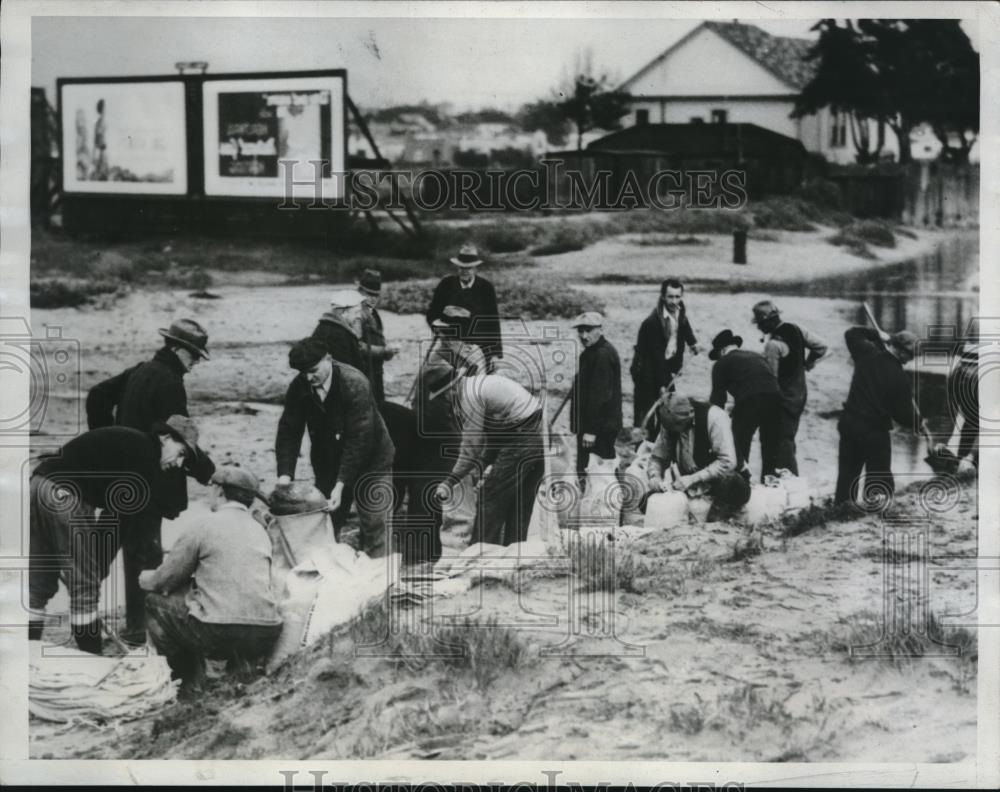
[
  {"x": 250, "y": 125},
  {"x": 124, "y": 137}
]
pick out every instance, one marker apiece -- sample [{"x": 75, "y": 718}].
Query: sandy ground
[{"x": 725, "y": 660}]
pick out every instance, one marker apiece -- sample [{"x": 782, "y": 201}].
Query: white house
[{"x": 727, "y": 71}]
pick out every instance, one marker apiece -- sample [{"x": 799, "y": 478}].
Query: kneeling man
[
  {"x": 697, "y": 436},
  {"x": 212, "y": 594}
]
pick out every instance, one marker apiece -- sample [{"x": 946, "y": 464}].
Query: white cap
[{"x": 346, "y": 298}]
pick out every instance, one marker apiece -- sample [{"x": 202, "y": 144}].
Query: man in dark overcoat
[
  {"x": 140, "y": 397},
  {"x": 596, "y": 404},
  {"x": 476, "y": 294}
]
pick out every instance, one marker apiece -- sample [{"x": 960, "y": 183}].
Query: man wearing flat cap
[
  {"x": 339, "y": 329},
  {"x": 476, "y": 294},
  {"x": 696, "y": 436},
  {"x": 373, "y": 346},
  {"x": 212, "y": 596},
  {"x": 790, "y": 351},
  {"x": 121, "y": 471},
  {"x": 596, "y": 403},
  {"x": 350, "y": 448},
  {"x": 756, "y": 398},
  {"x": 880, "y": 393},
  {"x": 139, "y": 397}
]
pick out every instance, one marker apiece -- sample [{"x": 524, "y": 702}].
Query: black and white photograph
[{"x": 474, "y": 392}]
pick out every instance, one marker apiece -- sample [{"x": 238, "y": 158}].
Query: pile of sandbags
[{"x": 66, "y": 685}]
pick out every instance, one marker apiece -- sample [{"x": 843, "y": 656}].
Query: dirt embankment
[{"x": 695, "y": 657}]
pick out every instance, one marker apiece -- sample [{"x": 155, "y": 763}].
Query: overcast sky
[{"x": 473, "y": 63}]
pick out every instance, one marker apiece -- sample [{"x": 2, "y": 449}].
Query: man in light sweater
[
  {"x": 697, "y": 436},
  {"x": 501, "y": 425},
  {"x": 212, "y": 595}
]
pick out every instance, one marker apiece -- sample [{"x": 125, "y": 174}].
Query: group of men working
[{"x": 474, "y": 437}]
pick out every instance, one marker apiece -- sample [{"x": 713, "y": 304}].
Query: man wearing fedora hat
[
  {"x": 212, "y": 596},
  {"x": 790, "y": 351},
  {"x": 756, "y": 398},
  {"x": 476, "y": 294},
  {"x": 340, "y": 330},
  {"x": 373, "y": 344},
  {"x": 121, "y": 471},
  {"x": 596, "y": 404},
  {"x": 880, "y": 393},
  {"x": 138, "y": 398}
]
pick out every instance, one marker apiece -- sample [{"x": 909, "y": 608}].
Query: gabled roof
[
  {"x": 784, "y": 57},
  {"x": 690, "y": 140}
]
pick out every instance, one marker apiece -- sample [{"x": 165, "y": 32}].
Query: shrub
[
  {"x": 822, "y": 192},
  {"x": 664, "y": 240},
  {"x": 70, "y": 293},
  {"x": 504, "y": 237},
  {"x": 900, "y": 647},
  {"x": 520, "y": 293},
  {"x": 783, "y": 214}
]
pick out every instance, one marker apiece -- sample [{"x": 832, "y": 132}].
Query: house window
[
  {"x": 720, "y": 116},
  {"x": 838, "y": 129},
  {"x": 697, "y": 120},
  {"x": 641, "y": 117}
]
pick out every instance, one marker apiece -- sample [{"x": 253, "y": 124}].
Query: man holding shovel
[{"x": 880, "y": 393}]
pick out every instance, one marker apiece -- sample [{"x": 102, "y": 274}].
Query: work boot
[
  {"x": 35, "y": 627},
  {"x": 88, "y": 636}
]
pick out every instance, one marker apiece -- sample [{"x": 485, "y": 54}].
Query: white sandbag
[
  {"x": 635, "y": 479},
  {"x": 346, "y": 589},
  {"x": 699, "y": 508},
  {"x": 298, "y": 538},
  {"x": 666, "y": 510},
  {"x": 766, "y": 504},
  {"x": 797, "y": 490},
  {"x": 600, "y": 503}
]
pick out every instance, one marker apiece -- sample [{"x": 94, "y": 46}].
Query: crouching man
[
  {"x": 697, "y": 436},
  {"x": 212, "y": 594},
  {"x": 124, "y": 473}
]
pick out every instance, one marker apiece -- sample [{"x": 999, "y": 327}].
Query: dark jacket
[
  {"x": 880, "y": 390},
  {"x": 743, "y": 374},
  {"x": 347, "y": 435},
  {"x": 481, "y": 301},
  {"x": 140, "y": 397},
  {"x": 341, "y": 342},
  {"x": 113, "y": 468},
  {"x": 373, "y": 351},
  {"x": 596, "y": 406},
  {"x": 650, "y": 369}
]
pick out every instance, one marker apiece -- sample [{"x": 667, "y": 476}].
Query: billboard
[
  {"x": 250, "y": 125},
  {"x": 124, "y": 137}
]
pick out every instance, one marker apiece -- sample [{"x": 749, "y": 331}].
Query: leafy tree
[
  {"x": 898, "y": 73},
  {"x": 546, "y": 115},
  {"x": 594, "y": 105},
  {"x": 586, "y": 99}
]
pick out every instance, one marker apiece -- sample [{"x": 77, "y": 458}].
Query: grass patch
[
  {"x": 523, "y": 293},
  {"x": 859, "y": 235},
  {"x": 818, "y": 515},
  {"x": 482, "y": 650},
  {"x": 864, "y": 635}
]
